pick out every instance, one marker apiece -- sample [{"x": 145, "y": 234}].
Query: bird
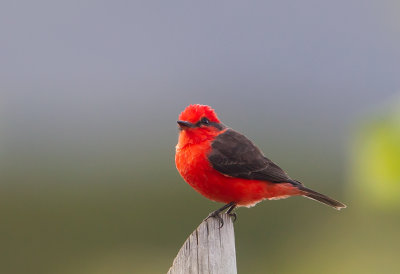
[{"x": 225, "y": 166}]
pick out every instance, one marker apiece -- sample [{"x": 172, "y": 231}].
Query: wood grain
[{"x": 208, "y": 249}]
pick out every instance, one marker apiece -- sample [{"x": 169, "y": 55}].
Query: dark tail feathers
[{"x": 311, "y": 194}]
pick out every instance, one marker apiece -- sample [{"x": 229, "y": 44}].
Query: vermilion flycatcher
[{"x": 225, "y": 166}]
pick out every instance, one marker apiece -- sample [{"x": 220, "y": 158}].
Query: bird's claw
[
  {"x": 233, "y": 214},
  {"x": 216, "y": 214},
  {"x": 218, "y": 217}
]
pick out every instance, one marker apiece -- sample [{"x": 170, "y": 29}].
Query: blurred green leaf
[{"x": 376, "y": 161}]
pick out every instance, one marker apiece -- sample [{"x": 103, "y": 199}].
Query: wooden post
[{"x": 208, "y": 250}]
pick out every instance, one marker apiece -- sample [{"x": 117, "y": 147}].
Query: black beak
[{"x": 184, "y": 124}]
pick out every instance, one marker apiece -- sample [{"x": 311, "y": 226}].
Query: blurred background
[{"x": 90, "y": 95}]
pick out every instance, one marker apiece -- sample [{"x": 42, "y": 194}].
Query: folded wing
[{"x": 234, "y": 155}]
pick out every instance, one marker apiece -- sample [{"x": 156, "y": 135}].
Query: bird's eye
[{"x": 205, "y": 121}]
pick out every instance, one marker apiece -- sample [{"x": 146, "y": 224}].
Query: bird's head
[{"x": 198, "y": 123}]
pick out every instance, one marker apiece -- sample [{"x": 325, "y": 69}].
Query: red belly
[{"x": 194, "y": 167}]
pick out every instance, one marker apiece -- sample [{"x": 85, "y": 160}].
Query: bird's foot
[
  {"x": 216, "y": 214},
  {"x": 233, "y": 215}
]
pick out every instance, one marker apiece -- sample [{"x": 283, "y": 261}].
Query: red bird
[{"x": 225, "y": 166}]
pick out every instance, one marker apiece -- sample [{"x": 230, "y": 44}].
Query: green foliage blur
[
  {"x": 376, "y": 160},
  {"x": 126, "y": 210},
  {"x": 89, "y": 95}
]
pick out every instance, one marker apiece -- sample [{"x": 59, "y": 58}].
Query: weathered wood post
[{"x": 208, "y": 250}]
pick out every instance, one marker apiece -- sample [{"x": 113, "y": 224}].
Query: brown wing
[{"x": 233, "y": 154}]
